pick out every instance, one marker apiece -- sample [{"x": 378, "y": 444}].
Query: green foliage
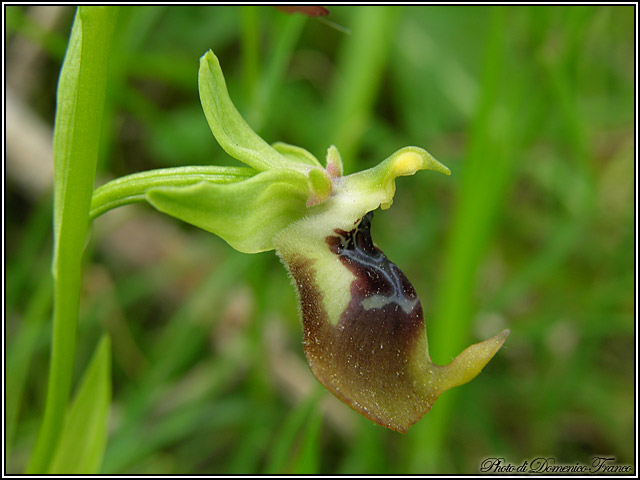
[
  {"x": 80, "y": 100},
  {"x": 84, "y": 434},
  {"x": 361, "y": 62}
]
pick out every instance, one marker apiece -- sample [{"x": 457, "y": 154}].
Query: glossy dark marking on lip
[
  {"x": 375, "y": 274},
  {"x": 364, "y": 359}
]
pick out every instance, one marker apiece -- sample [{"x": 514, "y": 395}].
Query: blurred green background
[{"x": 532, "y": 108}]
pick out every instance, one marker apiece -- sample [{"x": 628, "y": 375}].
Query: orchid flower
[{"x": 364, "y": 331}]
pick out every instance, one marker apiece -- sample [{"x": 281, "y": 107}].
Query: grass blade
[
  {"x": 308, "y": 459},
  {"x": 362, "y": 64},
  {"x": 80, "y": 102},
  {"x": 20, "y": 352},
  {"x": 487, "y": 170},
  {"x": 84, "y": 437},
  {"x": 287, "y": 33},
  {"x": 285, "y": 440}
]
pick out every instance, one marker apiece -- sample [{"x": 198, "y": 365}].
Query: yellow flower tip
[
  {"x": 409, "y": 160},
  {"x": 403, "y": 164},
  {"x": 406, "y": 163}
]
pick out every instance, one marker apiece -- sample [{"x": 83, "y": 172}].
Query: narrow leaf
[
  {"x": 285, "y": 440},
  {"x": 80, "y": 103},
  {"x": 84, "y": 435},
  {"x": 307, "y": 460}
]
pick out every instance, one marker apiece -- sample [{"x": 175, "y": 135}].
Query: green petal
[
  {"x": 321, "y": 186},
  {"x": 246, "y": 214},
  {"x": 296, "y": 154},
  {"x": 334, "y": 162}
]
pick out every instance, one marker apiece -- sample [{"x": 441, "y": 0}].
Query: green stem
[
  {"x": 80, "y": 103},
  {"x": 133, "y": 188}
]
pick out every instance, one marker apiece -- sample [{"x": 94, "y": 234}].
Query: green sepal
[
  {"x": 246, "y": 214},
  {"x": 132, "y": 188},
  {"x": 233, "y": 133}
]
